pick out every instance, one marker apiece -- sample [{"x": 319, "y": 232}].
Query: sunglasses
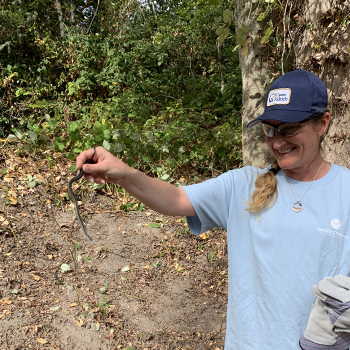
[{"x": 285, "y": 129}]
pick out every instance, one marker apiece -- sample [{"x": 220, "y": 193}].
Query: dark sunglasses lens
[{"x": 269, "y": 131}]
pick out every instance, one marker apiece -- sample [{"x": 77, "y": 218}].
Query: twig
[
  {"x": 98, "y": 4},
  {"x": 7, "y": 191},
  {"x": 221, "y": 329},
  {"x": 56, "y": 221},
  {"x": 284, "y": 37},
  {"x": 24, "y": 203},
  {"x": 30, "y": 243},
  {"x": 14, "y": 234},
  {"x": 7, "y": 345},
  {"x": 52, "y": 182}
]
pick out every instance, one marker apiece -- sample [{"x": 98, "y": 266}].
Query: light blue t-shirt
[{"x": 275, "y": 258}]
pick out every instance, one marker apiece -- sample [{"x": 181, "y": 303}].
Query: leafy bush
[{"x": 155, "y": 93}]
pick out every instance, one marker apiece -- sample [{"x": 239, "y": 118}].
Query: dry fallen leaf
[
  {"x": 42, "y": 341},
  {"x": 80, "y": 322},
  {"x": 35, "y": 277},
  {"x": 3, "y": 221},
  {"x": 13, "y": 200},
  {"x": 73, "y": 304},
  {"x": 8, "y": 179},
  {"x": 5, "y": 301}
]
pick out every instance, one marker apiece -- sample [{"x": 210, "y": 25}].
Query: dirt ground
[{"x": 144, "y": 281}]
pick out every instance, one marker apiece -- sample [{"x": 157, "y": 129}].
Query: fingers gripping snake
[{"x": 74, "y": 198}]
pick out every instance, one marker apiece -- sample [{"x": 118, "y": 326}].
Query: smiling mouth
[{"x": 287, "y": 150}]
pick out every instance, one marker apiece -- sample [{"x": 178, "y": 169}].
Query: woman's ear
[{"x": 324, "y": 124}]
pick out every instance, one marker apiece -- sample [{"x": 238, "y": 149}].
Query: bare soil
[{"x": 143, "y": 282}]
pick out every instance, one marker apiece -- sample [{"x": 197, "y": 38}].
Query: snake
[{"x": 74, "y": 198}]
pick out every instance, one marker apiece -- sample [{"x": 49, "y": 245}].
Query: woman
[{"x": 287, "y": 225}]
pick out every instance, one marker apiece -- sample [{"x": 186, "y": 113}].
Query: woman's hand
[
  {"x": 106, "y": 167},
  {"x": 156, "y": 194}
]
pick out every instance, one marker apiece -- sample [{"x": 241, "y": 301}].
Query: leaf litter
[{"x": 144, "y": 282}]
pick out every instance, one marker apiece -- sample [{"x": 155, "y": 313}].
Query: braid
[{"x": 265, "y": 190}]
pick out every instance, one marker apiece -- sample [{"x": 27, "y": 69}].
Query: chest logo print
[{"x": 336, "y": 224}]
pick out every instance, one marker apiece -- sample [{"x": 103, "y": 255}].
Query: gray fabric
[
  {"x": 328, "y": 287},
  {"x": 319, "y": 328},
  {"x": 343, "y": 281}
]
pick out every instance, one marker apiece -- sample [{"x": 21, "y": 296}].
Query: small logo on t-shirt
[{"x": 336, "y": 224}]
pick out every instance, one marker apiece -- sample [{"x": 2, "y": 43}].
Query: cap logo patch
[{"x": 279, "y": 97}]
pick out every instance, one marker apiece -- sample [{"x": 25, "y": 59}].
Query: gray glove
[
  {"x": 329, "y": 328},
  {"x": 319, "y": 330},
  {"x": 336, "y": 295}
]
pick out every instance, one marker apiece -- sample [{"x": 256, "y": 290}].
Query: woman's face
[{"x": 299, "y": 153}]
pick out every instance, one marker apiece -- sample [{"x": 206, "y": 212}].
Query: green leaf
[
  {"x": 220, "y": 30},
  {"x": 55, "y": 308},
  {"x": 217, "y": 22},
  {"x": 33, "y": 136},
  {"x": 39, "y": 104},
  {"x": 18, "y": 135},
  {"x": 267, "y": 35},
  {"x": 242, "y": 35},
  {"x": 236, "y": 48},
  {"x": 32, "y": 183},
  {"x": 11, "y": 137},
  {"x": 7, "y": 43},
  {"x": 73, "y": 168},
  {"x": 65, "y": 268},
  {"x": 73, "y": 126},
  {"x": 155, "y": 225},
  {"x": 227, "y": 16},
  {"x": 95, "y": 327},
  {"x": 106, "y": 145},
  {"x": 262, "y": 16},
  {"x": 145, "y": 159},
  {"x": 244, "y": 51},
  {"x": 77, "y": 150}
]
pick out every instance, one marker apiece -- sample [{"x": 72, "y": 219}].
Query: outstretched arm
[{"x": 156, "y": 194}]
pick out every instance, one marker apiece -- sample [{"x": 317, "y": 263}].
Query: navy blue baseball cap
[{"x": 294, "y": 97}]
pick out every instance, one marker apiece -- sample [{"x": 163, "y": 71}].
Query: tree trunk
[
  {"x": 60, "y": 17},
  {"x": 71, "y": 13},
  {"x": 153, "y": 8},
  {"x": 255, "y": 74},
  {"x": 323, "y": 48}
]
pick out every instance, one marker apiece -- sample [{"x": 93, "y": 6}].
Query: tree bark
[
  {"x": 255, "y": 74},
  {"x": 323, "y": 48},
  {"x": 60, "y": 17},
  {"x": 71, "y": 13}
]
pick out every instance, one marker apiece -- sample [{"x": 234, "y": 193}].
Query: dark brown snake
[{"x": 74, "y": 198}]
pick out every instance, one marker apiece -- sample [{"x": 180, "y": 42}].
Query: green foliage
[{"x": 149, "y": 88}]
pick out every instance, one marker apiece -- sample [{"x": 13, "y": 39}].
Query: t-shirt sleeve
[{"x": 211, "y": 201}]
